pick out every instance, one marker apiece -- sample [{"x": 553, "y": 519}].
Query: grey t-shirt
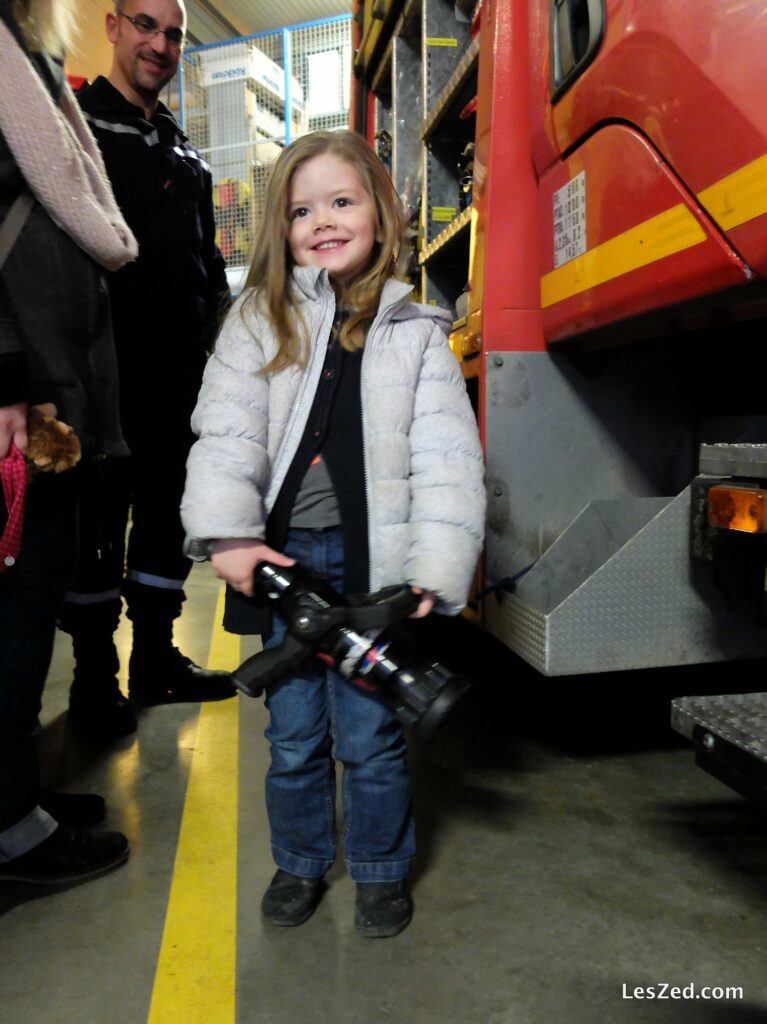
[{"x": 316, "y": 506}]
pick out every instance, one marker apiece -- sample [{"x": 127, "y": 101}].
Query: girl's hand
[
  {"x": 428, "y": 600},
  {"x": 235, "y": 560}
]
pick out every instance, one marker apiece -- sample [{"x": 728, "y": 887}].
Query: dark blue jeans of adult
[
  {"x": 31, "y": 593},
  {"x": 317, "y": 718}
]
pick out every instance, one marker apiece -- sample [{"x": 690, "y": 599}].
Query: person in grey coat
[
  {"x": 56, "y": 352},
  {"x": 334, "y": 429}
]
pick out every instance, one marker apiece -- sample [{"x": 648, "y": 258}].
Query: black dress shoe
[
  {"x": 68, "y": 855},
  {"x": 101, "y": 717},
  {"x": 382, "y": 909},
  {"x": 290, "y": 899},
  {"x": 172, "y": 678},
  {"x": 74, "y": 810}
]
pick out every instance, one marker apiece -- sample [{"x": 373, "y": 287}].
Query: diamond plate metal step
[
  {"x": 730, "y": 737},
  {"x": 746, "y": 460},
  {"x": 741, "y": 719},
  {"x": 617, "y": 591}
]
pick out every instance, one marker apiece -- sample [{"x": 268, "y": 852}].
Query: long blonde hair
[
  {"x": 46, "y": 24},
  {"x": 272, "y": 265}
]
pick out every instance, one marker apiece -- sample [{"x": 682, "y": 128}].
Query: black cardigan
[{"x": 334, "y": 427}]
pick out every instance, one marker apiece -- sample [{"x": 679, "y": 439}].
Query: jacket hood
[{"x": 312, "y": 283}]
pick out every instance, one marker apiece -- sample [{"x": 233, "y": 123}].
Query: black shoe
[
  {"x": 382, "y": 909},
  {"x": 101, "y": 717},
  {"x": 172, "y": 678},
  {"x": 68, "y": 855},
  {"x": 290, "y": 899},
  {"x": 73, "y": 810}
]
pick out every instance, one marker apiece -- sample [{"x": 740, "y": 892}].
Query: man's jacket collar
[{"x": 103, "y": 98}]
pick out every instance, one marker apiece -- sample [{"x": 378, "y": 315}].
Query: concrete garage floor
[{"x": 570, "y": 852}]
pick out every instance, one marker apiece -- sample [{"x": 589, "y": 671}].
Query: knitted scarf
[{"x": 60, "y": 159}]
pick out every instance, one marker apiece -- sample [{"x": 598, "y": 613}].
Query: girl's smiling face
[{"x": 333, "y": 221}]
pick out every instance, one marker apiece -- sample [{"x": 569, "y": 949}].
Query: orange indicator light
[{"x": 738, "y": 508}]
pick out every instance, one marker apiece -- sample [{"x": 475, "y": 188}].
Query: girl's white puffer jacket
[{"x": 423, "y": 460}]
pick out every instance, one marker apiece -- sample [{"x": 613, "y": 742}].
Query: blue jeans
[{"x": 317, "y": 718}]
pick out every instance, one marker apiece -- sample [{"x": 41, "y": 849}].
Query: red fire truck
[{"x": 615, "y": 249}]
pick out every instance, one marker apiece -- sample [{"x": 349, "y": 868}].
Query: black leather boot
[
  {"x": 158, "y": 672},
  {"x": 68, "y": 855},
  {"x": 161, "y": 674},
  {"x": 98, "y": 710},
  {"x": 382, "y": 909},
  {"x": 290, "y": 899}
]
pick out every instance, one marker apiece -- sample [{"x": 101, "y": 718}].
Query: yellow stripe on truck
[
  {"x": 663, "y": 235},
  {"x": 739, "y": 197},
  {"x": 732, "y": 201}
]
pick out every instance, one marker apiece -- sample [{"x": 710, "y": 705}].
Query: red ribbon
[{"x": 13, "y": 473}]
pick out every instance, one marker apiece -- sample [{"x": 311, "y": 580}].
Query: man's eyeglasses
[{"x": 146, "y": 26}]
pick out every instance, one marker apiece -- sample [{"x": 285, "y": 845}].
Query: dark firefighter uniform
[{"x": 166, "y": 308}]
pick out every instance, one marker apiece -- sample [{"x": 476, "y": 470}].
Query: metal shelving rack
[{"x": 422, "y": 77}]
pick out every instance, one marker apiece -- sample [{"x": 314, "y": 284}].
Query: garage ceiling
[{"x": 210, "y": 20}]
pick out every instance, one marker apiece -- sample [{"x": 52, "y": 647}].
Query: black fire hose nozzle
[
  {"x": 268, "y": 667},
  {"x": 350, "y": 635}
]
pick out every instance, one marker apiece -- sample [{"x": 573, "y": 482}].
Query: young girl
[{"x": 334, "y": 429}]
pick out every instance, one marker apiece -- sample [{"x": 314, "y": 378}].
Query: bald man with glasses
[{"x": 165, "y": 310}]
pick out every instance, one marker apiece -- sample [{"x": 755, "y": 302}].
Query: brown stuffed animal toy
[{"x": 52, "y": 447}]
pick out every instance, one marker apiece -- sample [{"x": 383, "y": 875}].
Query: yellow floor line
[{"x": 195, "y": 979}]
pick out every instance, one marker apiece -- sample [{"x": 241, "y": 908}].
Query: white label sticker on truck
[{"x": 570, "y": 220}]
